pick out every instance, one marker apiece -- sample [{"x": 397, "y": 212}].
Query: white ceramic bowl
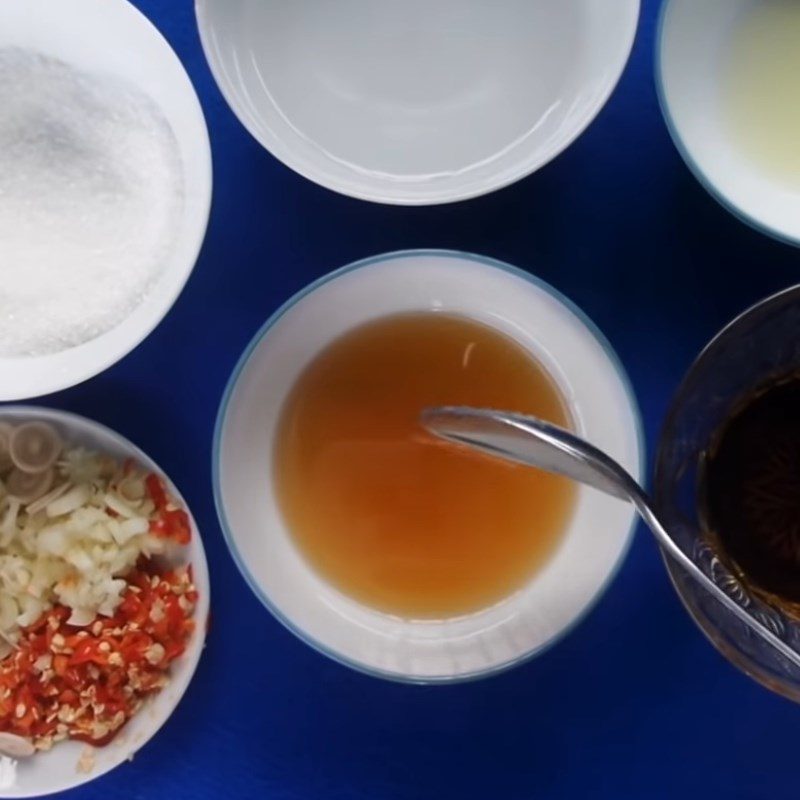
[
  {"x": 591, "y": 380},
  {"x": 692, "y": 42},
  {"x": 56, "y": 771},
  {"x": 416, "y": 101},
  {"x": 112, "y": 37}
]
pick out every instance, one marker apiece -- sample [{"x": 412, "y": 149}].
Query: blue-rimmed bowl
[
  {"x": 590, "y": 379},
  {"x": 692, "y": 54}
]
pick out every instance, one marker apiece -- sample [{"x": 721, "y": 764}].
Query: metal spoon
[{"x": 531, "y": 441}]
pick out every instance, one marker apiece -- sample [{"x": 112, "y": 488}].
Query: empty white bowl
[
  {"x": 56, "y": 770},
  {"x": 416, "y": 101},
  {"x": 693, "y": 43},
  {"x": 590, "y": 379},
  {"x": 112, "y": 37}
]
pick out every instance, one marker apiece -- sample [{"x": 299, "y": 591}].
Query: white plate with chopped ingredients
[
  {"x": 104, "y": 598},
  {"x": 105, "y": 188}
]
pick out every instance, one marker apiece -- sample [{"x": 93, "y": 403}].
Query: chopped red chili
[
  {"x": 86, "y": 683},
  {"x": 156, "y": 490},
  {"x": 170, "y": 522}
]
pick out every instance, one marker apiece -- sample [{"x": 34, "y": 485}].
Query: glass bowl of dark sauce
[{"x": 727, "y": 485}]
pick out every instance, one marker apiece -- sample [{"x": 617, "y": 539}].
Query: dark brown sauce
[{"x": 751, "y": 488}]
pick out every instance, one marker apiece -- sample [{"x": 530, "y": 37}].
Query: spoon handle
[{"x": 533, "y": 442}]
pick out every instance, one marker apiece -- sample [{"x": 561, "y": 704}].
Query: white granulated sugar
[{"x": 91, "y": 197}]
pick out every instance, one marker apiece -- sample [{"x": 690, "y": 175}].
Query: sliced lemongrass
[
  {"x": 81, "y": 617},
  {"x": 71, "y": 501},
  {"x": 43, "y": 502},
  {"x": 126, "y": 530},
  {"x": 35, "y": 447},
  {"x": 8, "y": 526},
  {"x": 27, "y": 487},
  {"x": 131, "y": 489},
  {"x": 119, "y": 507},
  {"x": 6, "y": 429}
]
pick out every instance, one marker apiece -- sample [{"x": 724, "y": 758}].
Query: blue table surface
[{"x": 634, "y": 703}]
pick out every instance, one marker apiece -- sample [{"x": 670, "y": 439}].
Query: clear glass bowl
[{"x": 761, "y": 343}]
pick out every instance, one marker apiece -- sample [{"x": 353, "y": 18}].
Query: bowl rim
[
  {"x": 79, "y": 371},
  {"x": 197, "y": 559},
  {"x": 690, "y": 377},
  {"x": 219, "y": 434},
  {"x": 522, "y": 168},
  {"x": 684, "y": 151}
]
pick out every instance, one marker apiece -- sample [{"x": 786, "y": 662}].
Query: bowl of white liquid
[
  {"x": 727, "y": 73},
  {"x": 105, "y": 188},
  {"x": 416, "y": 101}
]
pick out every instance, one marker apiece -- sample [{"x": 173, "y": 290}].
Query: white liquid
[
  {"x": 762, "y": 88},
  {"x": 436, "y": 86}
]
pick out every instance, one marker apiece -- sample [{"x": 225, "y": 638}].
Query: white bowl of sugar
[{"x": 105, "y": 188}]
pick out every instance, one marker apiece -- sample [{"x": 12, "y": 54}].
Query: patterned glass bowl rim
[
  {"x": 706, "y": 355},
  {"x": 217, "y": 446}
]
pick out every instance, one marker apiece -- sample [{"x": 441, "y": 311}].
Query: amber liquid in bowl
[{"x": 387, "y": 514}]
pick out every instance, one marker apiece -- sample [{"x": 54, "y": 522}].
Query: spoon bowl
[{"x": 533, "y": 442}]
